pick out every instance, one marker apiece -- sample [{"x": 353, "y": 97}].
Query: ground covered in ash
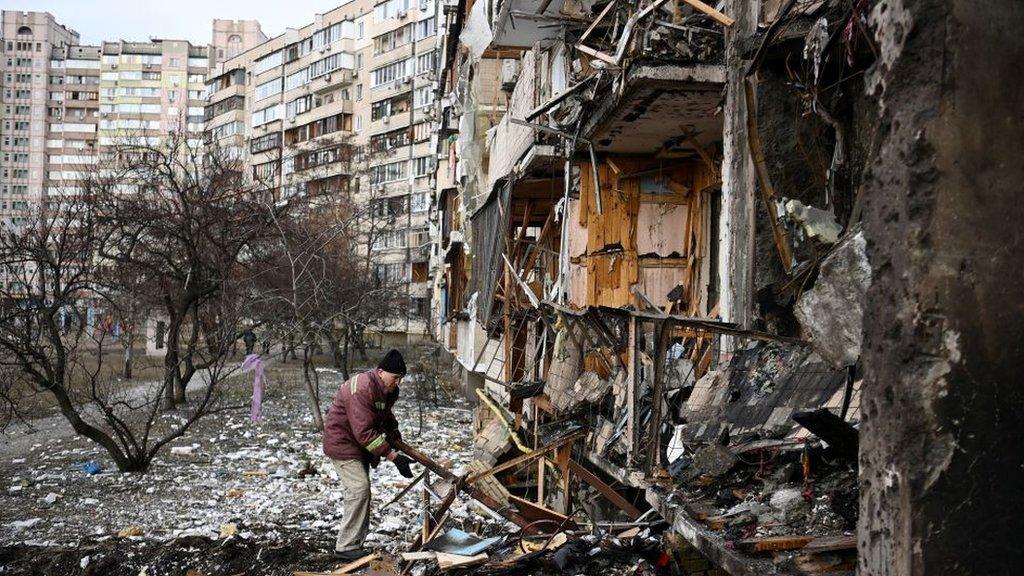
[{"x": 234, "y": 497}]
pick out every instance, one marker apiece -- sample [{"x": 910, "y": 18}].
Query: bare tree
[
  {"x": 51, "y": 276},
  {"x": 318, "y": 288},
  {"x": 188, "y": 226}
]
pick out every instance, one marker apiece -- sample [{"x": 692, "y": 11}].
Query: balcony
[{"x": 225, "y": 93}]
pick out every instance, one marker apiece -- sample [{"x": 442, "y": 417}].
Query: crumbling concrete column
[
  {"x": 736, "y": 223},
  {"x": 942, "y": 463}
]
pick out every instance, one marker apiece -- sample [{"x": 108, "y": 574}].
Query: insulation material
[
  {"x": 577, "y": 234},
  {"x": 577, "y": 285},
  {"x": 658, "y": 229},
  {"x": 477, "y": 34}
]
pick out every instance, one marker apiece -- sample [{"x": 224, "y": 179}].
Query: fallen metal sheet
[{"x": 456, "y": 541}]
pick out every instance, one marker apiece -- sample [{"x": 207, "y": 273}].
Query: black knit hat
[{"x": 393, "y": 362}]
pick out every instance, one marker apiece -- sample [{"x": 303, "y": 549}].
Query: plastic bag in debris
[
  {"x": 91, "y": 468},
  {"x": 456, "y": 541},
  {"x": 574, "y": 553}
]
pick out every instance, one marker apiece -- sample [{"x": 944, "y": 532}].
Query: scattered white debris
[{"x": 23, "y": 524}]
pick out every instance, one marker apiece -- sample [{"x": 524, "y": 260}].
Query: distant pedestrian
[{"x": 250, "y": 340}]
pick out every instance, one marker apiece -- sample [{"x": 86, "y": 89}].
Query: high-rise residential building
[
  {"x": 360, "y": 76},
  {"x": 72, "y": 118},
  {"x": 232, "y": 37},
  {"x": 29, "y": 103},
  {"x": 63, "y": 103},
  {"x": 150, "y": 89}
]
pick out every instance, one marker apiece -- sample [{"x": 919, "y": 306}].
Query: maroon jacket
[{"x": 360, "y": 421}]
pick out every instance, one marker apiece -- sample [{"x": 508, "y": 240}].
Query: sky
[{"x": 98, "y": 20}]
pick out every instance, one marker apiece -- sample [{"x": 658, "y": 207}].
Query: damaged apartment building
[{"x": 653, "y": 227}]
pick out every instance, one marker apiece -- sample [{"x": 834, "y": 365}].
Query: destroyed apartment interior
[{"x": 695, "y": 288}]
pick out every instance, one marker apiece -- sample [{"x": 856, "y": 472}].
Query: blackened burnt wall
[{"x": 941, "y": 458}]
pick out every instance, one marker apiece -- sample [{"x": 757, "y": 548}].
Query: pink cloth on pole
[{"x": 255, "y": 363}]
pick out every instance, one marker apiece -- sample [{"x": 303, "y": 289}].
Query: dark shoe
[{"x": 350, "y": 555}]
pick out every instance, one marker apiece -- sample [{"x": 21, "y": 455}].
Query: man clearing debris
[{"x": 356, "y": 433}]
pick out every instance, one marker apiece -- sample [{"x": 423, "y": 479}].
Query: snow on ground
[{"x": 269, "y": 479}]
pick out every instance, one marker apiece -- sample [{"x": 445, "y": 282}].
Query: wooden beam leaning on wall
[
  {"x": 607, "y": 491},
  {"x": 527, "y": 457}
]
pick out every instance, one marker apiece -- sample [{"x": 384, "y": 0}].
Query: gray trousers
[{"x": 355, "y": 481}]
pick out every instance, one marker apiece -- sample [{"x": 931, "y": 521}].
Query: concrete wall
[{"x": 941, "y": 461}]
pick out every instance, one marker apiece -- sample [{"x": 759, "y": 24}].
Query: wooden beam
[
  {"x": 527, "y": 457},
  {"x": 346, "y": 569},
  {"x": 608, "y": 7},
  {"x": 761, "y": 168},
  {"x": 538, "y": 512},
  {"x": 460, "y": 486},
  {"x": 607, "y": 491},
  {"x": 714, "y": 14},
  {"x": 447, "y": 561},
  {"x": 596, "y": 54}
]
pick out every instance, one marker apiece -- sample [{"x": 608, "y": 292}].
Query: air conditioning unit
[
  {"x": 387, "y": 119},
  {"x": 407, "y": 80},
  {"x": 401, "y": 14},
  {"x": 327, "y": 77},
  {"x": 355, "y": 73}
]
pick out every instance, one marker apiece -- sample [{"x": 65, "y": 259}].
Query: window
[
  {"x": 329, "y": 64},
  {"x": 324, "y": 36},
  {"x": 316, "y": 158},
  {"x": 225, "y": 130},
  {"x": 268, "y": 89},
  {"x": 296, "y": 79},
  {"x": 265, "y": 171},
  {"x": 425, "y": 62},
  {"x": 389, "y": 140},
  {"x": 138, "y": 108},
  {"x": 390, "y": 9},
  {"x": 391, "y": 273},
  {"x": 316, "y": 128},
  {"x": 298, "y": 106},
  {"x": 265, "y": 142},
  {"x": 267, "y": 62},
  {"x": 390, "y": 239},
  {"x": 226, "y": 105},
  {"x": 388, "y": 73},
  {"x": 264, "y": 115},
  {"x": 391, "y": 172},
  {"x": 390, "y": 106},
  {"x": 422, "y": 166},
  {"x": 423, "y": 96},
  {"x": 420, "y": 202},
  {"x": 421, "y": 132}
]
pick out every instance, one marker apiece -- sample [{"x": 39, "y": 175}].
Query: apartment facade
[
  {"x": 344, "y": 105},
  {"x": 31, "y": 99},
  {"x": 151, "y": 89}
]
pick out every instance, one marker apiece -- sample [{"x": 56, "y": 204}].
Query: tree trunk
[
  {"x": 312, "y": 392},
  {"x": 128, "y": 358},
  {"x": 171, "y": 368}
]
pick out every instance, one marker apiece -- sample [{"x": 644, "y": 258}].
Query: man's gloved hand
[{"x": 402, "y": 462}]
